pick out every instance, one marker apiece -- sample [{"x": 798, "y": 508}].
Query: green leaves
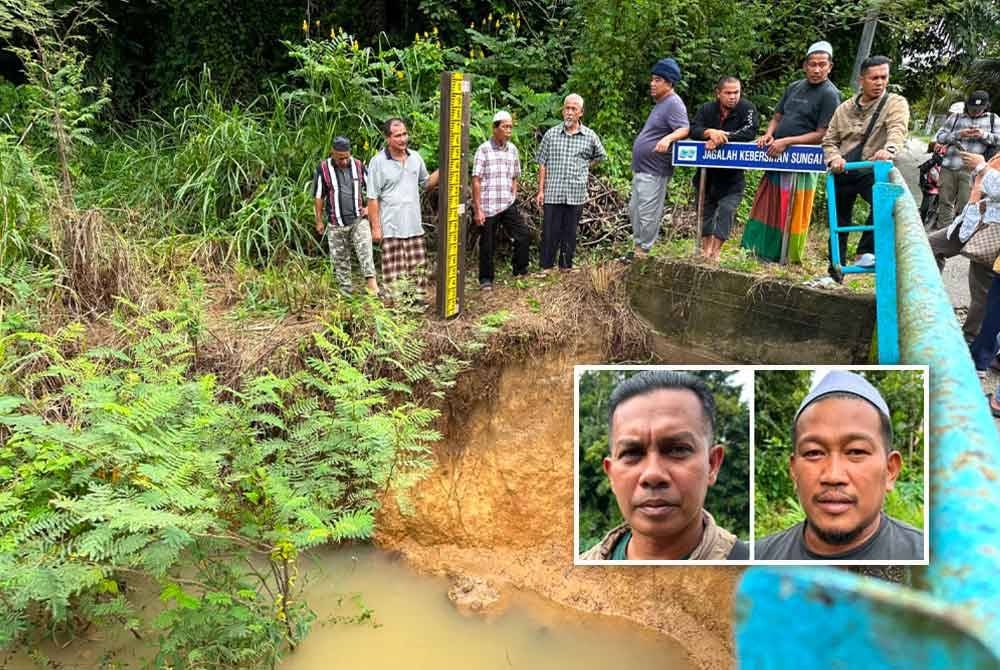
[{"x": 150, "y": 470}]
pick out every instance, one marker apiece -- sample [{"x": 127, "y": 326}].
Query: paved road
[{"x": 956, "y": 271}]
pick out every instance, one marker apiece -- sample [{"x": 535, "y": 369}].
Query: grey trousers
[
  {"x": 953, "y": 193},
  {"x": 645, "y": 207},
  {"x": 340, "y": 240},
  {"x": 980, "y": 278}
]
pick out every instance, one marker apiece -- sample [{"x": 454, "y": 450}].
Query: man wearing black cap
[
  {"x": 842, "y": 466},
  {"x": 651, "y": 165},
  {"x": 338, "y": 186},
  {"x": 974, "y": 130},
  {"x": 729, "y": 118}
]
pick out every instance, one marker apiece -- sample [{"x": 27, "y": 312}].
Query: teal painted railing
[
  {"x": 792, "y": 618},
  {"x": 884, "y": 194}
]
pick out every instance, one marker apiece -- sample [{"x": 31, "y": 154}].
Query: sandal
[{"x": 993, "y": 408}]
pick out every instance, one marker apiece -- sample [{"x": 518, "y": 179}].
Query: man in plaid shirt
[
  {"x": 494, "y": 191},
  {"x": 975, "y": 130},
  {"x": 565, "y": 156}
]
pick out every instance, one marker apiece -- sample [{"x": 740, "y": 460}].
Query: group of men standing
[{"x": 871, "y": 125}]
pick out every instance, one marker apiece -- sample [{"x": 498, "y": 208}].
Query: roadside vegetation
[{"x": 185, "y": 401}]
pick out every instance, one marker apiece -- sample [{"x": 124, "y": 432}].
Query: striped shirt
[
  {"x": 988, "y": 123},
  {"x": 567, "y": 159},
  {"x": 497, "y": 167}
]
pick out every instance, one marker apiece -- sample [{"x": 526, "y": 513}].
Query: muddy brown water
[
  {"x": 416, "y": 626},
  {"x": 411, "y": 623}
]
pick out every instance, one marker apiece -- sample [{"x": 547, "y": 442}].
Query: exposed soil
[{"x": 499, "y": 506}]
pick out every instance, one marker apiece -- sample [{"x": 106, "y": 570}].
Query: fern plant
[{"x": 120, "y": 466}]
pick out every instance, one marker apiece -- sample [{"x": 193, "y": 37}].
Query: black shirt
[
  {"x": 741, "y": 124},
  {"x": 894, "y": 540}
]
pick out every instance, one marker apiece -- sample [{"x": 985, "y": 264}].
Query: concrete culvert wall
[{"x": 724, "y": 316}]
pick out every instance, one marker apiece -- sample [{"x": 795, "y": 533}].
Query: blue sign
[{"x": 748, "y": 156}]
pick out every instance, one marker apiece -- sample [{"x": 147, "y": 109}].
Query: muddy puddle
[
  {"x": 375, "y": 612},
  {"x": 414, "y": 625}
]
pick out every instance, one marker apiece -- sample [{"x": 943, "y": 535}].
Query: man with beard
[
  {"x": 564, "y": 157},
  {"x": 729, "y": 118},
  {"x": 842, "y": 466},
  {"x": 784, "y": 200},
  {"x": 662, "y": 459},
  {"x": 651, "y": 166}
]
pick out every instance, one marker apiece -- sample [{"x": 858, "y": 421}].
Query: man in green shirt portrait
[{"x": 662, "y": 459}]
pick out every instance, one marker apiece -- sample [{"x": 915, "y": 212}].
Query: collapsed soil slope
[{"x": 499, "y": 504}]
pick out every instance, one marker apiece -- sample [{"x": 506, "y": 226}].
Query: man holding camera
[{"x": 975, "y": 130}]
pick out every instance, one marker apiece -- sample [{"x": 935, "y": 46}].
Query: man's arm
[
  {"x": 700, "y": 122},
  {"x": 540, "y": 198},
  {"x": 319, "y": 216},
  {"x": 513, "y": 187},
  {"x": 831, "y": 143},
  {"x": 768, "y": 136},
  {"x": 432, "y": 181},
  {"x": 663, "y": 146},
  {"x": 374, "y": 217},
  {"x": 944, "y": 135},
  {"x": 748, "y": 130},
  {"x": 477, "y": 203},
  {"x": 777, "y": 147},
  {"x": 897, "y": 123}
]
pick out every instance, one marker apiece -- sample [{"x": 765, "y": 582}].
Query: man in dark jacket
[{"x": 728, "y": 119}]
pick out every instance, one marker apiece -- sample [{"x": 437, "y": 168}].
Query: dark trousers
[
  {"x": 984, "y": 347},
  {"x": 721, "y": 202},
  {"x": 559, "y": 235},
  {"x": 849, "y": 186},
  {"x": 510, "y": 219}
]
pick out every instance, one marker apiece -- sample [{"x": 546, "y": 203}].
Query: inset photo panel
[
  {"x": 662, "y": 465},
  {"x": 840, "y": 465}
]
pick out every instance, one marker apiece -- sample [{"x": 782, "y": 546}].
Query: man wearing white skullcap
[
  {"x": 785, "y": 199},
  {"x": 842, "y": 466}
]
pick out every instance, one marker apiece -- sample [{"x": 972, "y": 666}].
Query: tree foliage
[{"x": 128, "y": 463}]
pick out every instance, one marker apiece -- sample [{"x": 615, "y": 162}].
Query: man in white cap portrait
[
  {"x": 842, "y": 466},
  {"x": 785, "y": 199},
  {"x": 495, "y": 172}
]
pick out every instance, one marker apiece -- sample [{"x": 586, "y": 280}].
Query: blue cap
[
  {"x": 668, "y": 69},
  {"x": 842, "y": 381}
]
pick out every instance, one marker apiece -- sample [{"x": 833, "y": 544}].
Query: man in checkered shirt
[
  {"x": 975, "y": 130},
  {"x": 395, "y": 178},
  {"x": 494, "y": 191},
  {"x": 565, "y": 157}
]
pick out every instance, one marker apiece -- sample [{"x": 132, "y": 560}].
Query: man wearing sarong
[
  {"x": 785, "y": 199},
  {"x": 395, "y": 178}
]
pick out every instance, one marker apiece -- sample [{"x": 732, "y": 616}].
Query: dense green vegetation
[
  {"x": 154, "y": 165},
  {"x": 776, "y": 399},
  {"x": 728, "y": 500}
]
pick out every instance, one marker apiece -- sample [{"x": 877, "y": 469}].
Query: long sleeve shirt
[
  {"x": 988, "y": 123},
  {"x": 742, "y": 124},
  {"x": 851, "y": 120}
]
